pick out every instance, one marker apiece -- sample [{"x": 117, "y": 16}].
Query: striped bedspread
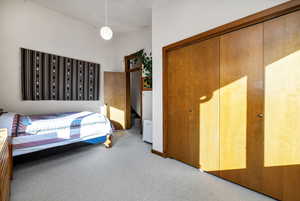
[{"x": 37, "y": 130}]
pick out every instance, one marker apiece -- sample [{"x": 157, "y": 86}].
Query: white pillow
[{"x": 6, "y": 121}]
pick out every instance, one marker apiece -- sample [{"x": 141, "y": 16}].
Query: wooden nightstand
[{"x": 5, "y": 165}]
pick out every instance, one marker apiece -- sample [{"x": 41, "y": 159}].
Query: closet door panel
[
  {"x": 206, "y": 101},
  {"x": 181, "y": 141},
  {"x": 282, "y": 106},
  {"x": 241, "y": 106},
  {"x": 193, "y": 98}
]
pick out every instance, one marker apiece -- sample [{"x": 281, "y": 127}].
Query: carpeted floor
[{"x": 127, "y": 172}]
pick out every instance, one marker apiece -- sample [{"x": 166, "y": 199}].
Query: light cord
[{"x": 106, "y": 13}]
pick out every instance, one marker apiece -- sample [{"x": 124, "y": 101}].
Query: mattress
[{"x": 38, "y": 132}]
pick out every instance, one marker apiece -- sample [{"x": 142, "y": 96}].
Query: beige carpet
[{"x": 127, "y": 172}]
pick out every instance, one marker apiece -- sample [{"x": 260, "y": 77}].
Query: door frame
[
  {"x": 265, "y": 15},
  {"x": 128, "y": 87}
]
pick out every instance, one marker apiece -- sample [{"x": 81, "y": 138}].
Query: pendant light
[{"x": 105, "y": 32}]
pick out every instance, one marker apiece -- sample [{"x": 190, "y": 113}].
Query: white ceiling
[{"x": 124, "y": 15}]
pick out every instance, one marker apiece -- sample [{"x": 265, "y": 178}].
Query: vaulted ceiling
[{"x": 124, "y": 15}]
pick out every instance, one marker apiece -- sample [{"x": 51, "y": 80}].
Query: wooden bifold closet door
[
  {"x": 241, "y": 106},
  {"x": 282, "y": 107},
  {"x": 260, "y": 107},
  {"x": 193, "y": 99},
  {"x": 233, "y": 106}
]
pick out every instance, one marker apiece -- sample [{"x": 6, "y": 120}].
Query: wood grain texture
[
  {"x": 193, "y": 104},
  {"x": 241, "y": 101},
  {"x": 183, "y": 144},
  {"x": 5, "y": 166},
  {"x": 206, "y": 95},
  {"x": 158, "y": 153},
  {"x": 262, "y": 16},
  {"x": 115, "y": 98},
  {"x": 282, "y": 106},
  {"x": 251, "y": 48}
]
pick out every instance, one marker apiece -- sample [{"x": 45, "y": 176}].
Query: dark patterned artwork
[{"x": 51, "y": 77}]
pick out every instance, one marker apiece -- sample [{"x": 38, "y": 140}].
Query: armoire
[{"x": 232, "y": 101}]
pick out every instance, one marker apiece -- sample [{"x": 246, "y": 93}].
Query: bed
[{"x": 38, "y": 132}]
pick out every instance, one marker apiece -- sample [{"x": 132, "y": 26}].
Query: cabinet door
[
  {"x": 241, "y": 106},
  {"x": 193, "y": 98},
  {"x": 282, "y": 107}
]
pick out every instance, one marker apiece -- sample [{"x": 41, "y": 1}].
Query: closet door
[
  {"x": 241, "y": 106},
  {"x": 192, "y": 101},
  {"x": 282, "y": 107}
]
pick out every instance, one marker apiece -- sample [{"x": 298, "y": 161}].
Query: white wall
[
  {"x": 25, "y": 24},
  {"x": 174, "y": 20},
  {"x": 129, "y": 43}
]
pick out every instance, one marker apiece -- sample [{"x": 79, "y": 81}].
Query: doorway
[{"x": 133, "y": 70}]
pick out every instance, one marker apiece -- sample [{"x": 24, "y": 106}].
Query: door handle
[{"x": 261, "y": 115}]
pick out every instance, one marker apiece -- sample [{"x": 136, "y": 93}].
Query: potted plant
[{"x": 147, "y": 68}]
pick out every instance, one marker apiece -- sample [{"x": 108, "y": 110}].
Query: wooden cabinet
[
  {"x": 5, "y": 166},
  {"x": 232, "y": 103}
]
